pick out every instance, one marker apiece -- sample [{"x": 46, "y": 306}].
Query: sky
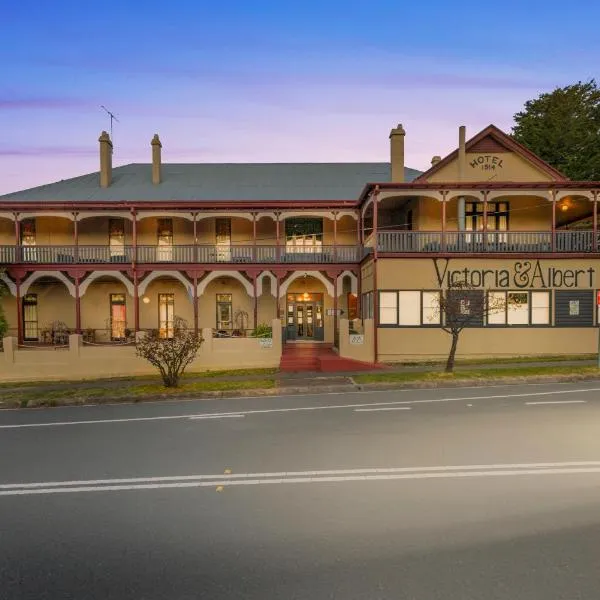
[{"x": 263, "y": 81}]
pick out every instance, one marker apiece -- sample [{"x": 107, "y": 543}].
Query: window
[
  {"x": 409, "y": 308},
  {"x": 223, "y": 239},
  {"x": 388, "y": 308},
  {"x": 574, "y": 308},
  {"x": 430, "y": 308},
  {"x": 497, "y": 216},
  {"x": 304, "y": 234},
  {"x": 116, "y": 237},
  {"x": 28, "y": 240},
  {"x": 224, "y": 311},
  {"x": 166, "y": 314},
  {"x": 30, "y": 317},
  {"x": 118, "y": 319},
  {"x": 518, "y": 308},
  {"x": 164, "y": 231},
  {"x": 464, "y": 308}
]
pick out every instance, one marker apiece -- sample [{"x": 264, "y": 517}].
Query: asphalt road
[{"x": 457, "y": 494}]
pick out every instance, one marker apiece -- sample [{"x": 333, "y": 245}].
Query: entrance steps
[{"x": 314, "y": 357}]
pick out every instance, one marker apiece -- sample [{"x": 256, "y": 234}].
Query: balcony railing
[
  {"x": 203, "y": 254},
  {"x": 513, "y": 242}
]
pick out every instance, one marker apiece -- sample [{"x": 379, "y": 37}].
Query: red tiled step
[{"x": 318, "y": 357}]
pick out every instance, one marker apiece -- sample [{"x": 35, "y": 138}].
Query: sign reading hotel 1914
[
  {"x": 522, "y": 274},
  {"x": 486, "y": 162}
]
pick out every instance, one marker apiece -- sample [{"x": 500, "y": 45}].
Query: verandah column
[
  {"x": 75, "y": 238},
  {"x": 443, "y": 240},
  {"x": 77, "y": 306},
  {"x": 19, "y": 310},
  {"x": 254, "y": 238},
  {"x": 17, "y": 237},
  {"x": 254, "y": 281},
  {"x": 553, "y": 220},
  {"x": 195, "y": 296},
  {"x": 277, "y": 215},
  {"x": 485, "y": 219},
  {"x": 335, "y": 214},
  {"x": 136, "y": 301},
  {"x": 375, "y": 291}
]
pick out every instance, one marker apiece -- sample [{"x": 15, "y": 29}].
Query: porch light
[
  {"x": 564, "y": 207},
  {"x": 146, "y": 300},
  {"x": 306, "y": 295}
]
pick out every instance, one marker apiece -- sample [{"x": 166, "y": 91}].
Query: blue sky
[{"x": 272, "y": 81}]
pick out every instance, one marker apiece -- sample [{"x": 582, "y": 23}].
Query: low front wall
[
  {"x": 357, "y": 346},
  {"x": 422, "y": 343},
  {"x": 84, "y": 362}
]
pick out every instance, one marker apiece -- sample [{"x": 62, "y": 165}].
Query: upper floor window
[
  {"x": 116, "y": 237},
  {"x": 497, "y": 216},
  {"x": 304, "y": 233},
  {"x": 28, "y": 232},
  {"x": 164, "y": 233}
]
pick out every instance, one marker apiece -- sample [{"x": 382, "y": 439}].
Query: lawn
[{"x": 509, "y": 372}]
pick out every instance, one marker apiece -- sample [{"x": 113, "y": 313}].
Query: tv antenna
[{"x": 112, "y": 118}]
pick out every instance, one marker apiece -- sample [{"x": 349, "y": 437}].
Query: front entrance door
[{"x": 305, "y": 317}]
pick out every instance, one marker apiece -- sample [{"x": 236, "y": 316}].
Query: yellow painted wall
[
  {"x": 7, "y": 232},
  {"x": 526, "y": 213},
  {"x": 54, "y": 304},
  {"x": 9, "y": 307},
  {"x": 366, "y": 273},
  {"x": 313, "y": 285},
  {"x": 514, "y": 168},
  {"x": 149, "y": 311},
  {"x": 95, "y": 308},
  {"x": 207, "y": 302}
]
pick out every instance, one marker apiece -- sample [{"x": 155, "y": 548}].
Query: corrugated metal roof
[{"x": 214, "y": 182}]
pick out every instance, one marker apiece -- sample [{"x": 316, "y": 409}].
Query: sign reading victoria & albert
[{"x": 519, "y": 274}]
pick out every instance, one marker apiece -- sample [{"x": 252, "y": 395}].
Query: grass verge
[
  {"x": 24, "y": 399},
  {"x": 475, "y": 374},
  {"x": 499, "y": 361}
]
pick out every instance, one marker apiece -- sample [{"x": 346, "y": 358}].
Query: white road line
[
  {"x": 225, "y": 416},
  {"x": 312, "y": 473},
  {"x": 557, "y": 402},
  {"x": 303, "y": 408},
  {"x": 328, "y": 479},
  {"x": 382, "y": 408}
]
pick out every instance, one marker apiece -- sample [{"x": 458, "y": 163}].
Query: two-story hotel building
[{"x": 232, "y": 246}]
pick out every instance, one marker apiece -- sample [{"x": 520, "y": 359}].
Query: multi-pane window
[
  {"x": 408, "y": 308},
  {"x": 166, "y": 315},
  {"x": 518, "y": 308},
  {"x": 224, "y": 311},
  {"x": 28, "y": 240},
  {"x": 304, "y": 234},
  {"x": 116, "y": 237},
  {"x": 164, "y": 231},
  {"x": 118, "y": 319},
  {"x": 30, "y": 317},
  {"x": 497, "y": 216},
  {"x": 223, "y": 238}
]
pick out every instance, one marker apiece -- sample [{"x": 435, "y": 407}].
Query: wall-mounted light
[
  {"x": 564, "y": 207},
  {"x": 306, "y": 295},
  {"x": 146, "y": 300}
]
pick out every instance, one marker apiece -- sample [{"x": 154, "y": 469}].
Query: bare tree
[
  {"x": 172, "y": 355},
  {"x": 462, "y": 306}
]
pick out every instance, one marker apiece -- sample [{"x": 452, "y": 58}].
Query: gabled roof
[
  {"x": 495, "y": 139},
  {"x": 217, "y": 182}
]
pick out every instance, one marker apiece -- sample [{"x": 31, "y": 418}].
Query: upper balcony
[
  {"x": 505, "y": 242},
  {"x": 184, "y": 254}
]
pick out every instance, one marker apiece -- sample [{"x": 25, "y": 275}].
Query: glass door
[
  {"x": 166, "y": 315},
  {"x": 117, "y": 317},
  {"x": 28, "y": 240},
  {"x": 164, "y": 250},
  {"x": 116, "y": 239},
  {"x": 223, "y": 239},
  {"x": 30, "y": 318}
]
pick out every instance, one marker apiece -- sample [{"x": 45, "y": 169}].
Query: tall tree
[{"x": 563, "y": 128}]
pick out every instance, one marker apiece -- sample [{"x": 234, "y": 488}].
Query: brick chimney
[
  {"x": 106, "y": 149},
  {"x": 156, "y": 159},
  {"x": 397, "y": 153}
]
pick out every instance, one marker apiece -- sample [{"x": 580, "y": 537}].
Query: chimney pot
[
  {"x": 435, "y": 160},
  {"x": 397, "y": 153},
  {"x": 156, "y": 159},
  {"x": 106, "y": 150}
]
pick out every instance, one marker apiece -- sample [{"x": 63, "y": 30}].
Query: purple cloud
[
  {"x": 44, "y": 103},
  {"x": 47, "y": 151}
]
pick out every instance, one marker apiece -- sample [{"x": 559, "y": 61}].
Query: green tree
[{"x": 563, "y": 128}]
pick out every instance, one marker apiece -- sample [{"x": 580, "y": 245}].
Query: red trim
[
  {"x": 486, "y": 255},
  {"x": 77, "y": 307},
  {"x": 19, "y": 311},
  {"x": 505, "y": 140},
  {"x": 195, "y": 283}
]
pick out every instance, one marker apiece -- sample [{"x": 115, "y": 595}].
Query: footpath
[{"x": 271, "y": 382}]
